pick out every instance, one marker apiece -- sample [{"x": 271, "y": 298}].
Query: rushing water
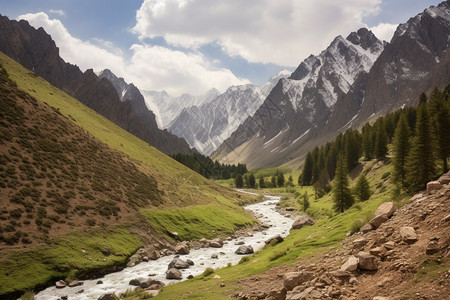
[{"x": 118, "y": 282}]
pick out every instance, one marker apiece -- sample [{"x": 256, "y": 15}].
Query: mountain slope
[
  {"x": 304, "y": 100},
  {"x": 35, "y": 50},
  {"x": 68, "y": 157},
  {"x": 206, "y": 126}
]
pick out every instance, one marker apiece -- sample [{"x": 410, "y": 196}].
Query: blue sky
[{"x": 194, "y": 45}]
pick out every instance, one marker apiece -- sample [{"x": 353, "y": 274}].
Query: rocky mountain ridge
[
  {"x": 36, "y": 50},
  {"x": 405, "y": 256},
  {"x": 305, "y": 99},
  {"x": 298, "y": 115},
  {"x": 206, "y": 126}
]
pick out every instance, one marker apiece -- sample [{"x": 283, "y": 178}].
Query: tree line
[
  {"x": 208, "y": 168},
  {"x": 420, "y": 138}
]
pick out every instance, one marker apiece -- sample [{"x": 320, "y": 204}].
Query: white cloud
[
  {"x": 384, "y": 31},
  {"x": 58, "y": 12},
  {"x": 282, "y": 32},
  {"x": 150, "y": 67}
]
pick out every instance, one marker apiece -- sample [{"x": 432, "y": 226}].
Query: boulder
[
  {"x": 278, "y": 293},
  {"x": 178, "y": 263},
  {"x": 445, "y": 179},
  {"x": 302, "y": 221},
  {"x": 278, "y": 238},
  {"x": 378, "y": 251},
  {"x": 293, "y": 279},
  {"x": 75, "y": 283},
  {"x": 389, "y": 245},
  {"x": 242, "y": 250},
  {"x": 145, "y": 282},
  {"x": 135, "y": 282},
  {"x": 366, "y": 228},
  {"x": 108, "y": 296},
  {"x": 190, "y": 262},
  {"x": 216, "y": 243},
  {"x": 408, "y": 234},
  {"x": 173, "y": 274},
  {"x": 154, "y": 255},
  {"x": 359, "y": 243},
  {"x": 182, "y": 248},
  {"x": 60, "y": 284},
  {"x": 367, "y": 261},
  {"x": 433, "y": 187},
  {"x": 351, "y": 264},
  {"x": 387, "y": 209},
  {"x": 214, "y": 255},
  {"x": 432, "y": 247},
  {"x": 240, "y": 243},
  {"x": 378, "y": 220}
]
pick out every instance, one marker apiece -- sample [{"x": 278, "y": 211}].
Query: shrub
[
  {"x": 244, "y": 259},
  {"x": 208, "y": 271},
  {"x": 278, "y": 254}
]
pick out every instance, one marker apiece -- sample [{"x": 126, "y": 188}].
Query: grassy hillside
[{"x": 65, "y": 170}]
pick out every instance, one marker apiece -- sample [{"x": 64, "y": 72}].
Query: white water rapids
[{"x": 118, "y": 282}]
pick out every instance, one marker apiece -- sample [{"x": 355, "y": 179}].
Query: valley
[{"x": 166, "y": 165}]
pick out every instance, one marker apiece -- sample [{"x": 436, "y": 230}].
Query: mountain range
[{"x": 352, "y": 81}]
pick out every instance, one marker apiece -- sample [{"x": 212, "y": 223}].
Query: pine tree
[
  {"x": 380, "y": 140},
  {"x": 421, "y": 166},
  {"x": 274, "y": 181},
  {"x": 290, "y": 181},
  {"x": 251, "y": 181},
  {"x": 441, "y": 116},
  {"x": 352, "y": 151},
  {"x": 401, "y": 149},
  {"x": 307, "y": 172},
  {"x": 239, "y": 181},
  {"x": 280, "y": 179},
  {"x": 362, "y": 188},
  {"x": 305, "y": 201},
  {"x": 342, "y": 197},
  {"x": 262, "y": 183}
]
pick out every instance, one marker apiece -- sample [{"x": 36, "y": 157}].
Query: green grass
[{"x": 64, "y": 258}]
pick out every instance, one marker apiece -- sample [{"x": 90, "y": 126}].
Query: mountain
[
  {"x": 167, "y": 108},
  {"x": 415, "y": 61},
  {"x": 206, "y": 126},
  {"x": 36, "y": 50},
  {"x": 304, "y": 100}
]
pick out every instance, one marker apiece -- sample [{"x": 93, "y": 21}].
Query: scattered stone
[
  {"x": 293, "y": 279},
  {"x": 134, "y": 259},
  {"x": 80, "y": 291},
  {"x": 378, "y": 220},
  {"x": 446, "y": 218},
  {"x": 108, "y": 296},
  {"x": 378, "y": 251},
  {"x": 242, "y": 250},
  {"x": 99, "y": 282},
  {"x": 190, "y": 276},
  {"x": 380, "y": 298},
  {"x": 351, "y": 264},
  {"x": 178, "y": 263},
  {"x": 154, "y": 255},
  {"x": 222, "y": 284},
  {"x": 174, "y": 234},
  {"x": 151, "y": 293},
  {"x": 75, "y": 283},
  {"x": 65, "y": 297},
  {"x": 433, "y": 187},
  {"x": 359, "y": 243},
  {"x": 173, "y": 274},
  {"x": 263, "y": 225},
  {"x": 389, "y": 245},
  {"x": 216, "y": 243},
  {"x": 302, "y": 221},
  {"x": 366, "y": 228},
  {"x": 152, "y": 284},
  {"x": 408, "y": 234},
  {"x": 290, "y": 208},
  {"x": 239, "y": 243},
  {"x": 60, "y": 284},
  {"x": 367, "y": 261},
  {"x": 387, "y": 209},
  {"x": 145, "y": 259},
  {"x": 216, "y": 277},
  {"x": 278, "y": 293},
  {"x": 190, "y": 262},
  {"x": 278, "y": 238},
  {"x": 182, "y": 248},
  {"x": 214, "y": 256},
  {"x": 136, "y": 281},
  {"x": 106, "y": 251},
  {"x": 353, "y": 281},
  {"x": 432, "y": 247}
]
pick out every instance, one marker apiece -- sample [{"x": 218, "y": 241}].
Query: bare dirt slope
[{"x": 404, "y": 267}]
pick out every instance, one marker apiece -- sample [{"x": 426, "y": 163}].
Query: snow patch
[{"x": 297, "y": 139}]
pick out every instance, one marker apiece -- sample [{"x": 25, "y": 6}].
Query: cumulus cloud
[
  {"x": 283, "y": 32},
  {"x": 384, "y": 31},
  {"x": 149, "y": 67}
]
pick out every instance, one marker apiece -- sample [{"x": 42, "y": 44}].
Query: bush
[
  {"x": 208, "y": 271},
  {"x": 278, "y": 254},
  {"x": 244, "y": 259}
]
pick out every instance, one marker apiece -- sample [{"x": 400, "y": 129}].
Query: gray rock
[
  {"x": 75, "y": 283},
  {"x": 106, "y": 251},
  {"x": 278, "y": 238},
  {"x": 60, "y": 284},
  {"x": 99, "y": 282},
  {"x": 190, "y": 262},
  {"x": 293, "y": 279},
  {"x": 367, "y": 261},
  {"x": 178, "y": 263},
  {"x": 433, "y": 187},
  {"x": 108, "y": 296},
  {"x": 216, "y": 243},
  {"x": 387, "y": 209},
  {"x": 378, "y": 220},
  {"x": 242, "y": 250},
  {"x": 302, "y": 221},
  {"x": 173, "y": 274},
  {"x": 432, "y": 247},
  {"x": 154, "y": 255},
  {"x": 182, "y": 248},
  {"x": 366, "y": 228},
  {"x": 359, "y": 243},
  {"x": 351, "y": 264},
  {"x": 214, "y": 256}
]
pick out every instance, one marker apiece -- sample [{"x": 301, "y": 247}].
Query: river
[{"x": 118, "y": 282}]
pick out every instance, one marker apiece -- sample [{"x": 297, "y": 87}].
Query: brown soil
[{"x": 405, "y": 272}]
